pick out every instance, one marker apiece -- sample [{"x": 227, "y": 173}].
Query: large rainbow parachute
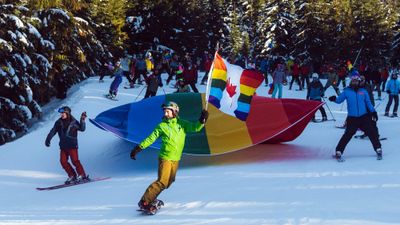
[{"x": 269, "y": 121}]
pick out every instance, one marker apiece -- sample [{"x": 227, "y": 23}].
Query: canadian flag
[{"x": 230, "y": 87}]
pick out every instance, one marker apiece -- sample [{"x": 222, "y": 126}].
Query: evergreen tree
[
  {"x": 110, "y": 17},
  {"x": 276, "y": 27},
  {"x": 308, "y": 41},
  {"x": 373, "y": 30}
]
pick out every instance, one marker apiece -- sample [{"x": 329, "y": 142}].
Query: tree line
[{"x": 306, "y": 29}]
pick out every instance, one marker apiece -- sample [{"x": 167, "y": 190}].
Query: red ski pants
[{"x": 65, "y": 154}]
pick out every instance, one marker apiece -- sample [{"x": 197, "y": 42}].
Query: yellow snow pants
[{"x": 166, "y": 176}]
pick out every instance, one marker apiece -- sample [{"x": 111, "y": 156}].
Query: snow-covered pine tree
[
  {"x": 275, "y": 28},
  {"x": 308, "y": 40},
  {"x": 374, "y": 30}
]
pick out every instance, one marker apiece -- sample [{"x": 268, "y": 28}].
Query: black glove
[
  {"x": 332, "y": 98},
  {"x": 47, "y": 143},
  {"x": 374, "y": 116},
  {"x": 83, "y": 116},
  {"x": 388, "y": 91},
  {"x": 203, "y": 116},
  {"x": 135, "y": 151}
]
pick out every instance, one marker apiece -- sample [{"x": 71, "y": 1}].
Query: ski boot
[
  {"x": 70, "y": 180},
  {"x": 324, "y": 118},
  {"x": 386, "y": 114},
  {"x": 339, "y": 156},
  {"x": 394, "y": 114},
  {"x": 379, "y": 154}
]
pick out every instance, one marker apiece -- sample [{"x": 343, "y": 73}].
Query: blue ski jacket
[
  {"x": 393, "y": 86},
  {"x": 358, "y": 102}
]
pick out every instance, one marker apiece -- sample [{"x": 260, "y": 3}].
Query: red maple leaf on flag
[{"x": 230, "y": 88}]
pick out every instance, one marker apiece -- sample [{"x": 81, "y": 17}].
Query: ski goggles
[{"x": 63, "y": 110}]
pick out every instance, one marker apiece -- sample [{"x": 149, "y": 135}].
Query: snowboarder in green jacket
[{"x": 172, "y": 131}]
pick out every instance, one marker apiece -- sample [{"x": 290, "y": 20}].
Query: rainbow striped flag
[{"x": 231, "y": 88}]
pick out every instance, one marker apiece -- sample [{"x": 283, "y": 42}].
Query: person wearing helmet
[
  {"x": 333, "y": 80},
  {"x": 172, "y": 131},
  {"x": 393, "y": 88},
  {"x": 117, "y": 74},
  {"x": 315, "y": 91},
  {"x": 279, "y": 76},
  {"x": 152, "y": 83},
  {"x": 67, "y": 128},
  {"x": 360, "y": 114},
  {"x": 181, "y": 86}
]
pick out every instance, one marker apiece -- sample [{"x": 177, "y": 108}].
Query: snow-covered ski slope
[{"x": 291, "y": 183}]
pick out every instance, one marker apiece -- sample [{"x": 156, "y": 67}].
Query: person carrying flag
[{"x": 172, "y": 131}]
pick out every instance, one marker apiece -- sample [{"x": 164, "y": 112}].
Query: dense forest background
[{"x": 49, "y": 45}]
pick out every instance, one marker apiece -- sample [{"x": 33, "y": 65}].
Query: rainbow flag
[
  {"x": 222, "y": 133},
  {"x": 231, "y": 88}
]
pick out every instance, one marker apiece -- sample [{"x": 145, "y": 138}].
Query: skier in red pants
[{"x": 67, "y": 128}]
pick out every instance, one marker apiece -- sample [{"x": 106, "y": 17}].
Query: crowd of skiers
[{"x": 146, "y": 68}]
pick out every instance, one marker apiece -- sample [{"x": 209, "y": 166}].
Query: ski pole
[
  {"x": 164, "y": 91},
  {"x": 329, "y": 109},
  {"x": 140, "y": 92}
]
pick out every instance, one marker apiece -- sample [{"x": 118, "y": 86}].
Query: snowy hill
[{"x": 291, "y": 183}]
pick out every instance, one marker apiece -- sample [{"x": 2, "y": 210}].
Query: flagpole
[{"x": 210, "y": 76}]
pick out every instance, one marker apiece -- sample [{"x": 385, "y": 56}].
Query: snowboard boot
[
  {"x": 339, "y": 157},
  {"x": 379, "y": 154},
  {"x": 154, "y": 207},
  {"x": 143, "y": 205},
  {"x": 82, "y": 179},
  {"x": 70, "y": 180},
  {"x": 150, "y": 209}
]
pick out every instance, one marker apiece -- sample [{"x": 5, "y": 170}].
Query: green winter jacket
[{"x": 173, "y": 134}]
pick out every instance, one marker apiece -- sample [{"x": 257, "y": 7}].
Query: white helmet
[
  {"x": 172, "y": 106},
  {"x": 315, "y": 76}
]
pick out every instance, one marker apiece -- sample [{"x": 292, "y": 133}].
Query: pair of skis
[{"x": 341, "y": 159}]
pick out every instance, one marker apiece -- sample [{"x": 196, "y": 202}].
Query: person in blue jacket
[
  {"x": 315, "y": 91},
  {"x": 393, "y": 88},
  {"x": 359, "y": 114}
]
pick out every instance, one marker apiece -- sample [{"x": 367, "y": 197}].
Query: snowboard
[
  {"x": 360, "y": 136},
  {"x": 158, "y": 206},
  {"x": 72, "y": 184}
]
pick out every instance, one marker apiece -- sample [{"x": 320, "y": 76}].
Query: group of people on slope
[
  {"x": 172, "y": 131},
  {"x": 138, "y": 70}
]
